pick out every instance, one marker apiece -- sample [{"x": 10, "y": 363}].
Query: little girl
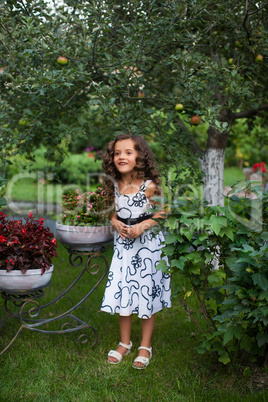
[{"x": 134, "y": 285}]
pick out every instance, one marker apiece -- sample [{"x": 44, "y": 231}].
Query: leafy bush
[
  {"x": 243, "y": 149},
  {"x": 77, "y": 169},
  {"x": 73, "y": 170},
  {"x": 222, "y": 251},
  {"x": 20, "y": 163}
]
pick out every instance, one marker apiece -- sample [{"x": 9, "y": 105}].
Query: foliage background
[
  {"x": 223, "y": 252},
  {"x": 128, "y": 66}
]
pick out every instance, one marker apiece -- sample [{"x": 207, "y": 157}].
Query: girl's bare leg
[
  {"x": 147, "y": 332},
  {"x": 125, "y": 331}
]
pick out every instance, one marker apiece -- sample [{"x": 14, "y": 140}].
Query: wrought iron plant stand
[{"x": 26, "y": 307}]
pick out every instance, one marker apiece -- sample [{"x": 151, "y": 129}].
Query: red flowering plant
[
  {"x": 28, "y": 245},
  {"x": 84, "y": 209},
  {"x": 259, "y": 166}
]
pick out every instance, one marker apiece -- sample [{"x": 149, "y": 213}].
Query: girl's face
[{"x": 125, "y": 156}]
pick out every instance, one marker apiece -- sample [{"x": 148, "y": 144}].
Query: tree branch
[
  {"x": 76, "y": 93},
  {"x": 184, "y": 306},
  {"x": 25, "y": 8},
  {"x": 5, "y": 29},
  {"x": 246, "y": 23},
  {"x": 196, "y": 147},
  {"x": 250, "y": 112},
  {"x": 259, "y": 9}
]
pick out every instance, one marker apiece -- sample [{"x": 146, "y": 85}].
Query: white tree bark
[{"x": 212, "y": 164}]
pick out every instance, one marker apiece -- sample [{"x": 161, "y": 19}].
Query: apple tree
[{"x": 133, "y": 62}]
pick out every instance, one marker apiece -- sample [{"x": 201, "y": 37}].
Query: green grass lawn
[
  {"x": 42, "y": 367},
  {"x": 232, "y": 174},
  {"x": 28, "y": 189}
]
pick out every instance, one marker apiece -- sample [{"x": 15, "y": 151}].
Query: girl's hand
[
  {"x": 120, "y": 227},
  {"x": 136, "y": 230}
]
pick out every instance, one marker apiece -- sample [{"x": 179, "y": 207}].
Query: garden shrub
[
  {"x": 77, "y": 169},
  {"x": 23, "y": 163},
  {"x": 73, "y": 170},
  {"x": 233, "y": 293}
]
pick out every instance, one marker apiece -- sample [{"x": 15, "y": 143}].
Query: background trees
[{"x": 128, "y": 65}]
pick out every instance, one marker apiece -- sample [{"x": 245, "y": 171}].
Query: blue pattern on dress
[{"x": 134, "y": 286}]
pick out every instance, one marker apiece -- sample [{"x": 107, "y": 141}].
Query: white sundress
[{"x": 134, "y": 285}]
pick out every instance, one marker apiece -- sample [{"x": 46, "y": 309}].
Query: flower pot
[
  {"x": 16, "y": 282},
  {"x": 85, "y": 238}
]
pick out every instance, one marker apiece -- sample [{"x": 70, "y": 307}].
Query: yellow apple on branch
[{"x": 179, "y": 107}]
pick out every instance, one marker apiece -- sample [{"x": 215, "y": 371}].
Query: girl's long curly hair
[{"x": 146, "y": 167}]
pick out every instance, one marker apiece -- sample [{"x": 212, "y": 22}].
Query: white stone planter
[
  {"x": 85, "y": 238},
  {"x": 17, "y": 282}
]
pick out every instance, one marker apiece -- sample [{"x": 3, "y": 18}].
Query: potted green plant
[
  {"x": 84, "y": 223},
  {"x": 26, "y": 253}
]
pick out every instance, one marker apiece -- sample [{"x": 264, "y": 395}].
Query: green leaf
[
  {"x": 178, "y": 263},
  {"x": 263, "y": 295},
  {"x": 194, "y": 269},
  {"x": 230, "y": 332},
  {"x": 227, "y": 232},
  {"x": 3, "y": 201},
  {"x": 172, "y": 222},
  {"x": 168, "y": 250},
  {"x": 246, "y": 248},
  {"x": 264, "y": 236},
  {"x": 264, "y": 310},
  {"x": 172, "y": 238},
  {"x": 184, "y": 248},
  {"x": 195, "y": 256},
  {"x": 209, "y": 257},
  {"x": 162, "y": 265},
  {"x": 230, "y": 300},
  {"x": 215, "y": 279},
  {"x": 262, "y": 339},
  {"x": 204, "y": 236},
  {"x": 186, "y": 232},
  {"x": 260, "y": 280},
  {"x": 247, "y": 372},
  {"x": 224, "y": 358}
]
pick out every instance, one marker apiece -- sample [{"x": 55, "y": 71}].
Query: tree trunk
[{"x": 212, "y": 165}]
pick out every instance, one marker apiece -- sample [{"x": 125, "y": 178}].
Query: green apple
[
  {"x": 179, "y": 107},
  {"x": 22, "y": 122},
  {"x": 195, "y": 120},
  {"x": 62, "y": 60},
  {"x": 238, "y": 44},
  {"x": 259, "y": 58},
  {"x": 230, "y": 61}
]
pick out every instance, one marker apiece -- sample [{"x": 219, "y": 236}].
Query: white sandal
[
  {"x": 117, "y": 355},
  {"x": 143, "y": 360}
]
